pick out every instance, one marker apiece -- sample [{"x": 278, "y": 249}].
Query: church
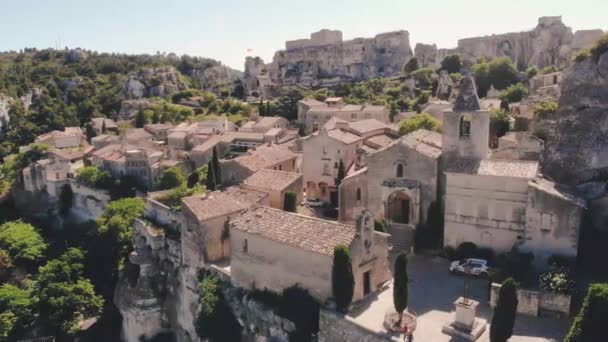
[{"x": 495, "y": 199}]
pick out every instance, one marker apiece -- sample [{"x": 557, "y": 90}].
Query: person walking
[{"x": 406, "y": 332}]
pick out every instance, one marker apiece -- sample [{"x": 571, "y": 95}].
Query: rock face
[
  {"x": 129, "y": 108},
  {"x": 550, "y": 42},
  {"x": 5, "y": 103},
  {"x": 151, "y": 82},
  {"x": 326, "y": 59},
  {"x": 216, "y": 76},
  {"x": 577, "y": 148}
]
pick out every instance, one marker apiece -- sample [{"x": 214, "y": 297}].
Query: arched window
[
  {"x": 358, "y": 194},
  {"x": 465, "y": 125},
  {"x": 399, "y": 170}
]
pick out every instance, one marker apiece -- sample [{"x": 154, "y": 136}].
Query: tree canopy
[
  {"x": 590, "y": 323},
  {"x": 451, "y": 64},
  {"x": 22, "y": 241},
  {"x": 419, "y": 121},
  {"x": 171, "y": 178},
  {"x": 343, "y": 281}
]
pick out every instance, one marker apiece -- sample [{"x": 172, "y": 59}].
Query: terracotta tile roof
[
  {"x": 269, "y": 121},
  {"x": 207, "y": 145},
  {"x": 312, "y": 103},
  {"x": 557, "y": 190},
  {"x": 216, "y": 203},
  {"x": 137, "y": 133},
  {"x": 68, "y": 154},
  {"x": 299, "y": 231},
  {"x": 424, "y": 141},
  {"x": 364, "y": 126},
  {"x": 264, "y": 156},
  {"x": 500, "y": 168},
  {"x": 342, "y": 136},
  {"x": 380, "y": 140},
  {"x": 274, "y": 180}
]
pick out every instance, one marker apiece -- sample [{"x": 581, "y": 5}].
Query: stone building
[
  {"x": 103, "y": 125},
  {"x": 206, "y": 235},
  {"x": 69, "y": 138},
  {"x": 270, "y": 156},
  {"x": 542, "y": 83},
  {"x": 274, "y": 250},
  {"x": 276, "y": 183},
  {"x": 399, "y": 184},
  {"x": 338, "y": 140},
  {"x": 318, "y": 114},
  {"x": 501, "y": 203}
]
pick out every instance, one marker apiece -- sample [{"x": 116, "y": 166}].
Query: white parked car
[{"x": 476, "y": 267}]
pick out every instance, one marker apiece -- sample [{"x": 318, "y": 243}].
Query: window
[
  {"x": 353, "y": 116},
  {"x": 326, "y": 169},
  {"x": 315, "y": 127},
  {"x": 335, "y": 165},
  {"x": 465, "y": 126},
  {"x": 399, "y": 172},
  {"x": 245, "y": 246},
  {"x": 358, "y": 194},
  {"x": 280, "y": 167},
  {"x": 315, "y": 117}
]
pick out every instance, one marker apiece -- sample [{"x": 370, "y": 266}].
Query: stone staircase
[{"x": 402, "y": 236}]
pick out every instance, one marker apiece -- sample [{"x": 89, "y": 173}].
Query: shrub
[
  {"x": 171, "y": 178},
  {"x": 419, "y": 121},
  {"x": 400, "y": 285},
  {"x": 503, "y": 318},
  {"x": 343, "y": 282},
  {"x": 215, "y": 321},
  {"x": 514, "y": 93},
  {"x": 582, "y": 55},
  {"x": 92, "y": 176},
  {"x": 515, "y": 264},
  {"x": 449, "y": 253},
  {"x": 561, "y": 261},
  {"x": 298, "y": 306},
  {"x": 559, "y": 280},
  {"x": 548, "y": 70},
  {"x": 600, "y": 48},
  {"x": 380, "y": 226},
  {"x": 544, "y": 110},
  {"x": 590, "y": 323},
  {"x": 451, "y": 63},
  {"x": 466, "y": 250}
]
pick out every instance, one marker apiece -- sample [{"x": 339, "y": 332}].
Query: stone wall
[
  {"x": 334, "y": 327},
  {"x": 536, "y": 303}
]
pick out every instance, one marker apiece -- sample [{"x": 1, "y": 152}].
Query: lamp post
[{"x": 465, "y": 295}]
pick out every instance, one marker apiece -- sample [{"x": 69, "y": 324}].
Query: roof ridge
[{"x": 299, "y": 215}]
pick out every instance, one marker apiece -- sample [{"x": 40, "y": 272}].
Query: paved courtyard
[{"x": 433, "y": 290}]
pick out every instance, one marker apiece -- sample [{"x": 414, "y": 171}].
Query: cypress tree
[
  {"x": 155, "y": 118},
  {"x": 290, "y": 202},
  {"x": 90, "y": 132},
  {"x": 341, "y": 173},
  {"x": 503, "y": 319},
  {"x": 343, "y": 281},
  {"x": 400, "y": 290},
  {"x": 216, "y": 167},
  {"x": 140, "y": 119},
  {"x": 590, "y": 323},
  {"x": 211, "y": 183}
]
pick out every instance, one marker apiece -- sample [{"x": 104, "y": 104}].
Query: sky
[{"x": 229, "y": 30}]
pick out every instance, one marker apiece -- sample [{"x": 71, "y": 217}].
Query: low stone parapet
[{"x": 537, "y": 303}]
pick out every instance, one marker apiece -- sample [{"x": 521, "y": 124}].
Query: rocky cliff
[
  {"x": 577, "y": 148},
  {"x": 215, "y": 77},
  {"x": 549, "y": 43},
  {"x": 5, "y": 102},
  {"x": 151, "y": 82},
  {"x": 326, "y": 59}
]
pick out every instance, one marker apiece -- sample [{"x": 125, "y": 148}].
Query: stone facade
[
  {"x": 303, "y": 253},
  {"x": 314, "y": 115},
  {"x": 537, "y": 303}
]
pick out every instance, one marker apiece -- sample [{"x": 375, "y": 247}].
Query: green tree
[
  {"x": 287, "y": 105},
  {"x": 22, "y": 241},
  {"x": 531, "y": 72},
  {"x": 340, "y": 174},
  {"x": 481, "y": 73},
  {"x": 92, "y": 176},
  {"x": 290, "y": 203},
  {"x": 65, "y": 296},
  {"x": 171, "y": 178},
  {"x": 210, "y": 183},
  {"x": 155, "y": 117},
  {"x": 394, "y": 110},
  {"x": 590, "y": 323},
  {"x": 502, "y": 72},
  {"x": 419, "y": 121},
  {"x": 16, "y": 310},
  {"x": 140, "y": 119},
  {"x": 217, "y": 169},
  {"x": 514, "y": 93},
  {"x": 545, "y": 110},
  {"x": 499, "y": 122},
  {"x": 451, "y": 63},
  {"x": 503, "y": 318},
  {"x": 115, "y": 222},
  {"x": 400, "y": 285},
  {"x": 343, "y": 281},
  {"x": 411, "y": 66},
  {"x": 215, "y": 321},
  {"x": 66, "y": 199},
  {"x": 89, "y": 132},
  {"x": 423, "y": 77}
]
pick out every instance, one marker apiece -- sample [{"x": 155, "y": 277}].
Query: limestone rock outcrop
[
  {"x": 151, "y": 82},
  {"x": 577, "y": 146},
  {"x": 325, "y": 59},
  {"x": 215, "y": 77},
  {"x": 5, "y": 106},
  {"x": 129, "y": 108}
]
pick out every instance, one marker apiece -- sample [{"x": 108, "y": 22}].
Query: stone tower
[{"x": 466, "y": 129}]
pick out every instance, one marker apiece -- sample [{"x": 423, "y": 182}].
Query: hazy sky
[{"x": 226, "y": 29}]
